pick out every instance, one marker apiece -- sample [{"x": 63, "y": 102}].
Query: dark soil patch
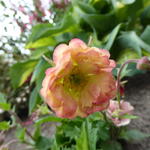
[{"x": 138, "y": 93}]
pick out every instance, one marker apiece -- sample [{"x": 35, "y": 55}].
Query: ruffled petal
[
  {"x": 59, "y": 52},
  {"x": 77, "y": 44}
]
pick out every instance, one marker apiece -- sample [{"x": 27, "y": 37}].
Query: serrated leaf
[
  {"x": 20, "y": 72},
  {"x": 133, "y": 135},
  {"x": 4, "y": 125},
  {"x": 82, "y": 142}
]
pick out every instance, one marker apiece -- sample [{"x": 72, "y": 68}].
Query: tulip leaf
[
  {"x": 20, "y": 72},
  {"x": 34, "y": 100},
  {"x": 112, "y": 37}
]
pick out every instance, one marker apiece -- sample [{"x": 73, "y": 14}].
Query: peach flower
[
  {"x": 117, "y": 113},
  {"x": 81, "y": 82}
]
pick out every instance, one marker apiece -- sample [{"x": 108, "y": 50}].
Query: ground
[{"x": 137, "y": 92}]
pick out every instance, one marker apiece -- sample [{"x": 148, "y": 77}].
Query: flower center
[{"x": 74, "y": 83}]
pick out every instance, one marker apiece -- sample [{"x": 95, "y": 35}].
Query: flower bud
[{"x": 143, "y": 63}]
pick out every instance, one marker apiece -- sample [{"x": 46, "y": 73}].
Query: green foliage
[
  {"x": 4, "y": 125},
  {"x": 20, "y": 72},
  {"x": 20, "y": 133},
  {"x": 48, "y": 119},
  {"x": 133, "y": 135},
  {"x": 111, "y": 145},
  {"x": 3, "y": 103},
  {"x": 34, "y": 100}
]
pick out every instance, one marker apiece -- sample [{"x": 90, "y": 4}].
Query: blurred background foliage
[{"x": 120, "y": 26}]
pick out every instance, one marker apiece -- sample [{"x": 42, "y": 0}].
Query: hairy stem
[{"x": 119, "y": 76}]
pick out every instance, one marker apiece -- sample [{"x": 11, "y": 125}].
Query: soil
[{"x": 137, "y": 92}]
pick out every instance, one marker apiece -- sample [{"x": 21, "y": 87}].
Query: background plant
[{"x": 120, "y": 26}]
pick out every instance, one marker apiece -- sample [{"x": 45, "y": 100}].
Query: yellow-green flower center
[{"x": 74, "y": 83}]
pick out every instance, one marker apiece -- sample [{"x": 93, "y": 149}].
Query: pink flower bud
[
  {"x": 116, "y": 112},
  {"x": 143, "y": 63},
  {"x": 81, "y": 82}
]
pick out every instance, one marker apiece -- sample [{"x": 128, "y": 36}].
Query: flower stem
[
  {"x": 90, "y": 40},
  {"x": 119, "y": 76},
  {"x": 48, "y": 60}
]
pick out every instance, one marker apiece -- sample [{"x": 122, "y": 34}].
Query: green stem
[{"x": 119, "y": 76}]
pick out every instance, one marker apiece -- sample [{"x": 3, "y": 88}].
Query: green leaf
[
  {"x": 40, "y": 31},
  {"x": 20, "y": 133},
  {"x": 43, "y": 143},
  {"x": 46, "y": 41},
  {"x": 5, "y": 106},
  {"x": 37, "y": 53},
  {"x": 37, "y": 132},
  {"x": 39, "y": 71},
  {"x": 3, "y": 103},
  {"x": 127, "y": 54},
  {"x": 20, "y": 72},
  {"x": 92, "y": 135},
  {"x": 133, "y": 135},
  {"x": 101, "y": 22},
  {"x": 128, "y": 116},
  {"x": 112, "y": 37},
  {"x": 111, "y": 145},
  {"x": 2, "y": 98},
  {"x": 82, "y": 142},
  {"x": 146, "y": 34},
  {"x": 128, "y": 1},
  {"x": 131, "y": 40},
  {"x": 88, "y": 137},
  {"x": 4, "y": 125},
  {"x": 48, "y": 119},
  {"x": 145, "y": 16},
  {"x": 34, "y": 100}
]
